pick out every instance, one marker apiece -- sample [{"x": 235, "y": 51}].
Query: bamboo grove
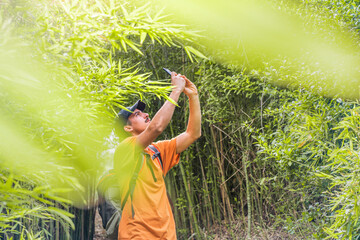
[{"x": 275, "y": 161}]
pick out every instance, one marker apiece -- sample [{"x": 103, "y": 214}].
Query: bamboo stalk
[
  {"x": 220, "y": 171},
  {"x": 213, "y": 179},
  {"x": 228, "y": 213},
  {"x": 206, "y": 194},
  {"x": 227, "y": 199},
  {"x": 248, "y": 197},
  {"x": 57, "y": 228},
  {"x": 191, "y": 209},
  {"x": 241, "y": 202},
  {"x": 188, "y": 196}
]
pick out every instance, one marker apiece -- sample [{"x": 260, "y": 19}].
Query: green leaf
[
  {"x": 63, "y": 214},
  {"x": 195, "y": 52},
  {"x": 142, "y": 37}
]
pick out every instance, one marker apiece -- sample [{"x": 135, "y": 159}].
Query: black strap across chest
[{"x": 156, "y": 155}]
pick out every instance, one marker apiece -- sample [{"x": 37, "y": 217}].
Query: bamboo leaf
[
  {"x": 142, "y": 37},
  {"x": 195, "y": 52}
]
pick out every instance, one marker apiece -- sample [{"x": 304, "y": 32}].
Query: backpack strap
[
  {"x": 156, "y": 155},
  {"x": 132, "y": 184}
]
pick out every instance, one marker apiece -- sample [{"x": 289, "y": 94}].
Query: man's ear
[{"x": 128, "y": 128}]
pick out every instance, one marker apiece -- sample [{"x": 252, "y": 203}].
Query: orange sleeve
[{"x": 168, "y": 153}]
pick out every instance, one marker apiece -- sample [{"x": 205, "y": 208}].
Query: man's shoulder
[{"x": 165, "y": 143}]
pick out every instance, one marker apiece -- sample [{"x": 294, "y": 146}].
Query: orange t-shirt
[{"x": 153, "y": 217}]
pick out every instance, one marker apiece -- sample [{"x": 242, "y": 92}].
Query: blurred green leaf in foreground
[{"x": 291, "y": 44}]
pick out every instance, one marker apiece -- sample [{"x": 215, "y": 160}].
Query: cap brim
[{"x": 138, "y": 105}]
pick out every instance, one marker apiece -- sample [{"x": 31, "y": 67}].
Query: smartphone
[{"x": 167, "y": 70}]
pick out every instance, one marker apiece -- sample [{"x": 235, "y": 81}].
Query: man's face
[{"x": 139, "y": 121}]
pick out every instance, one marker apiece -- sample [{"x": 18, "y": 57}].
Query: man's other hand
[
  {"x": 190, "y": 88},
  {"x": 178, "y": 81}
]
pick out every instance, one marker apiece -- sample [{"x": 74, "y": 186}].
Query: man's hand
[
  {"x": 190, "y": 88},
  {"x": 177, "y": 81}
]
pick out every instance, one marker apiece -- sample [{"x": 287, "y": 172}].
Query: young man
[{"x": 147, "y": 213}]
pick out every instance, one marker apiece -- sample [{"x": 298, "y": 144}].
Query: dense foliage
[
  {"x": 272, "y": 160},
  {"x": 60, "y": 90}
]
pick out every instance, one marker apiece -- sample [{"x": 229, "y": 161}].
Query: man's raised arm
[
  {"x": 193, "y": 130},
  {"x": 164, "y": 115}
]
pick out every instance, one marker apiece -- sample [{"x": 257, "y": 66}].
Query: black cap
[{"x": 125, "y": 114}]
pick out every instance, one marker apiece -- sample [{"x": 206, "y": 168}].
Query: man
[{"x": 147, "y": 213}]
